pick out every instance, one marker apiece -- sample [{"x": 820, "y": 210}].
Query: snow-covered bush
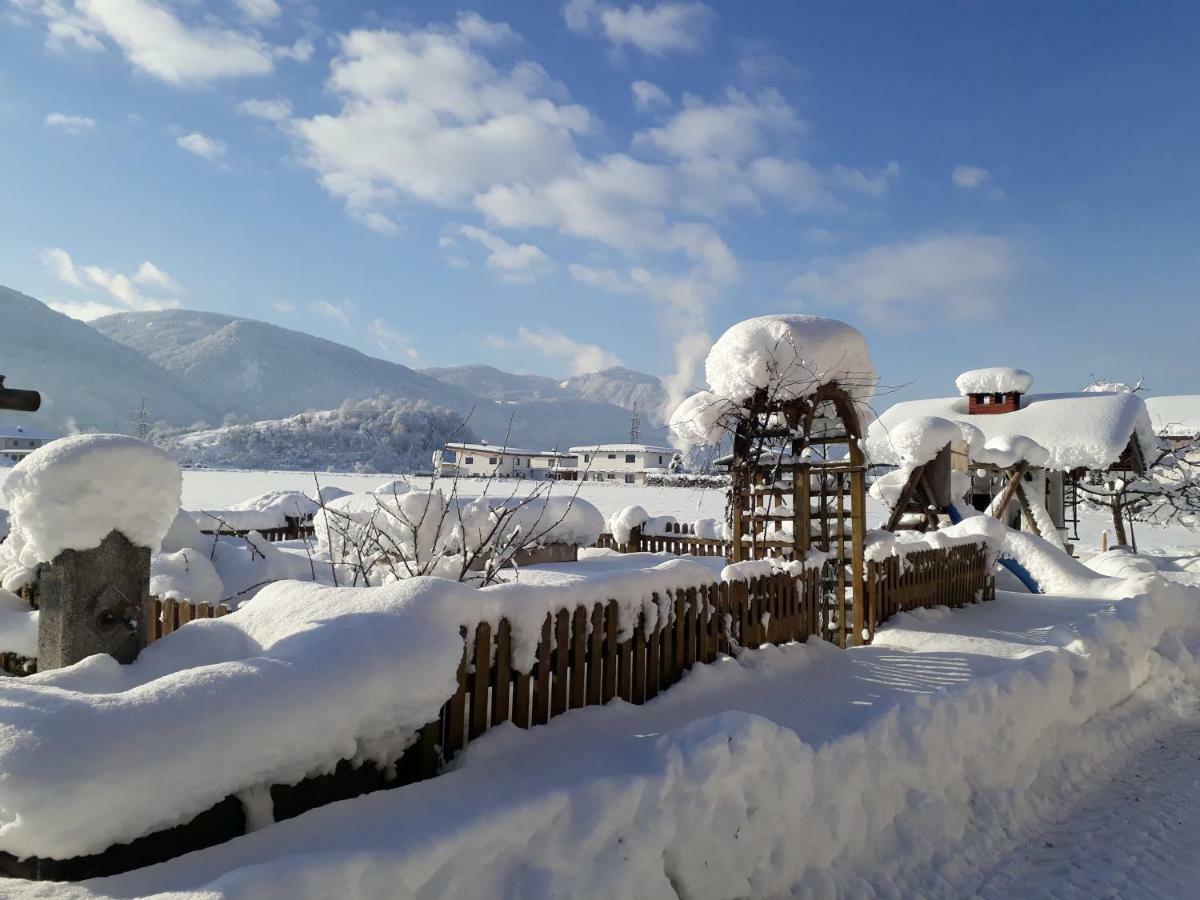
[{"x": 379, "y": 537}]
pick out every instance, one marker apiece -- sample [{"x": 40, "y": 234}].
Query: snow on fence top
[
  {"x": 69, "y": 494},
  {"x": 269, "y": 510},
  {"x": 994, "y": 380},
  {"x": 1079, "y": 430},
  {"x": 789, "y": 356}
]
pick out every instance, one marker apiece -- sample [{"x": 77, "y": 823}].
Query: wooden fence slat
[
  {"x": 689, "y": 627},
  {"x": 611, "y": 613},
  {"x": 502, "y": 672},
  {"x": 653, "y": 643},
  {"x": 456, "y": 708},
  {"x": 562, "y": 654},
  {"x": 579, "y": 636},
  {"x": 595, "y": 657},
  {"x": 480, "y": 680},
  {"x": 541, "y": 678},
  {"x": 638, "y": 687}
]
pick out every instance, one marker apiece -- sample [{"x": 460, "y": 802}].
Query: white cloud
[
  {"x": 970, "y": 177},
  {"x": 819, "y": 235},
  {"x": 301, "y": 51},
  {"x": 338, "y": 312},
  {"x": 122, "y": 288},
  {"x": 150, "y": 275},
  {"x": 655, "y": 30},
  {"x": 284, "y": 307},
  {"x": 376, "y": 221},
  {"x": 59, "y": 261},
  {"x": 737, "y": 127},
  {"x": 648, "y": 96},
  {"x": 70, "y": 124},
  {"x": 276, "y": 110},
  {"x": 581, "y": 358},
  {"x": 154, "y": 40},
  {"x": 958, "y": 273},
  {"x": 605, "y": 279},
  {"x": 85, "y": 310},
  {"x": 259, "y": 11},
  {"x": 515, "y": 262},
  {"x": 870, "y": 185},
  {"x": 392, "y": 342},
  {"x": 202, "y": 145}
]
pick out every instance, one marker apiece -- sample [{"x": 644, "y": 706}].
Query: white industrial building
[
  {"x": 483, "y": 460},
  {"x": 17, "y": 442}
]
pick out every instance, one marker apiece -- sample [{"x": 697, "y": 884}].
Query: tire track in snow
[{"x": 1135, "y": 836}]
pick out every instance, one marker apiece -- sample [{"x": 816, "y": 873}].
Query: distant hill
[
  {"x": 617, "y": 386},
  {"x": 86, "y": 379},
  {"x": 264, "y": 372}
]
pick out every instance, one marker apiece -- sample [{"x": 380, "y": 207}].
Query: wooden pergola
[{"x": 799, "y": 485}]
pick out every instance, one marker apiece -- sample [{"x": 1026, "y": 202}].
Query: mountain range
[{"x": 199, "y": 367}]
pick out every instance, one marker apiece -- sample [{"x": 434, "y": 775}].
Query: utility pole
[
  {"x": 139, "y": 418},
  {"x": 635, "y": 426}
]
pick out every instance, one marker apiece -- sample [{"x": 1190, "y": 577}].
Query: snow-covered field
[{"x": 1002, "y": 750}]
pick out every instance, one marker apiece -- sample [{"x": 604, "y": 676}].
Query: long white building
[
  {"x": 492, "y": 461},
  {"x": 621, "y": 463},
  {"x": 17, "y": 442}
]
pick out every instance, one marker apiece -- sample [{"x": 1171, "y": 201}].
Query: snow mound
[
  {"x": 994, "y": 380},
  {"x": 791, "y": 356},
  {"x": 266, "y": 511},
  {"x": 918, "y": 440},
  {"x": 69, "y": 494},
  {"x": 1007, "y": 450},
  {"x": 622, "y": 523},
  {"x": 185, "y": 575},
  {"x": 291, "y": 683}
]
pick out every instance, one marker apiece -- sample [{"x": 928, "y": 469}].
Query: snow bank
[
  {"x": 70, "y": 493},
  {"x": 1175, "y": 416},
  {"x": 262, "y": 513},
  {"x": 281, "y": 689},
  {"x": 791, "y": 356},
  {"x": 955, "y": 732},
  {"x": 994, "y": 380}
]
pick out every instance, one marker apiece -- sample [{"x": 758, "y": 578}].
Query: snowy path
[{"x": 1136, "y": 836}]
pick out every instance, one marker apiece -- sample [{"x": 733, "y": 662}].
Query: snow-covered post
[{"x": 86, "y": 512}]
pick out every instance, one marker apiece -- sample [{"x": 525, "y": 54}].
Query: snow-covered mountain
[
  {"x": 85, "y": 378},
  {"x": 617, "y": 386},
  {"x": 263, "y": 372}
]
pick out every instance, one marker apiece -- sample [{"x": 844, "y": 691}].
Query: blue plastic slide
[{"x": 1012, "y": 565}]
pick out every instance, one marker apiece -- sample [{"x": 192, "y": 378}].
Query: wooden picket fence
[
  {"x": 679, "y": 539},
  {"x": 953, "y": 577},
  {"x": 166, "y": 616},
  {"x": 582, "y": 659},
  {"x": 294, "y": 530}
]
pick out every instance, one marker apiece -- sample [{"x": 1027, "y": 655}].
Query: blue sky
[{"x": 554, "y": 187}]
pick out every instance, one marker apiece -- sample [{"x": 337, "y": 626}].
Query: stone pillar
[{"x": 94, "y": 601}]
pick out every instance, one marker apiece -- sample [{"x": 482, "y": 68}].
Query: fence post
[{"x": 94, "y": 601}]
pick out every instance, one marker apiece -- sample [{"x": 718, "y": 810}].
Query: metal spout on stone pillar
[{"x": 93, "y": 601}]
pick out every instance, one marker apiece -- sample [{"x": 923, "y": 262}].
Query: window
[
  {"x": 612, "y": 456},
  {"x": 612, "y": 477},
  {"x": 491, "y": 460},
  {"x": 629, "y": 457},
  {"x": 660, "y": 459},
  {"x": 469, "y": 460},
  {"x": 586, "y": 458},
  {"x": 599, "y": 476},
  {"x": 629, "y": 478}
]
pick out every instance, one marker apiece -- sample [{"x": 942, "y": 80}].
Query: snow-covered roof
[
  {"x": 500, "y": 450},
  {"x": 1175, "y": 416},
  {"x": 622, "y": 448},
  {"x": 1078, "y": 430},
  {"x": 994, "y": 380}
]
